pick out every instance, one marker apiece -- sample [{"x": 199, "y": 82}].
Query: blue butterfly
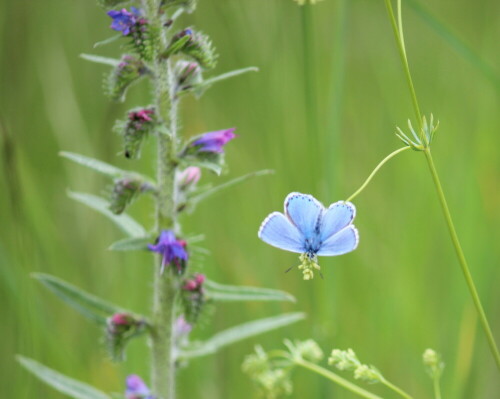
[{"x": 307, "y": 227}]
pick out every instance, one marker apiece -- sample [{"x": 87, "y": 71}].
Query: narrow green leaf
[
  {"x": 108, "y": 40},
  {"x": 123, "y": 221},
  {"x": 239, "y": 333},
  {"x": 87, "y": 304},
  {"x": 213, "y": 166},
  {"x": 101, "y": 167},
  {"x": 100, "y": 60},
  {"x": 232, "y": 293},
  {"x": 61, "y": 383},
  {"x": 231, "y": 74},
  {"x": 94, "y": 164},
  {"x": 207, "y": 193},
  {"x": 131, "y": 244}
]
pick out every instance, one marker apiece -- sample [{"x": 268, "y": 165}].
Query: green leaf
[
  {"x": 215, "y": 167},
  {"x": 100, "y": 60},
  {"x": 131, "y": 244},
  {"x": 232, "y": 293},
  {"x": 61, "y": 383},
  {"x": 231, "y": 74},
  {"x": 101, "y": 167},
  {"x": 196, "y": 198},
  {"x": 128, "y": 225},
  {"x": 87, "y": 304},
  {"x": 108, "y": 40},
  {"x": 239, "y": 333}
]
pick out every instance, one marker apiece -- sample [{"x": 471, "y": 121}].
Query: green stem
[
  {"x": 461, "y": 258},
  {"x": 395, "y": 389},
  {"x": 404, "y": 60},
  {"x": 439, "y": 189},
  {"x": 391, "y": 155},
  {"x": 437, "y": 388},
  {"x": 165, "y": 287},
  {"x": 335, "y": 378}
]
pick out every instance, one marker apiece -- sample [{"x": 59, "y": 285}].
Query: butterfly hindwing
[
  {"x": 335, "y": 218},
  {"x": 305, "y": 213},
  {"x": 278, "y": 231},
  {"x": 346, "y": 240}
]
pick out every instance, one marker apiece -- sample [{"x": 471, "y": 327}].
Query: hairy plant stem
[
  {"x": 387, "y": 158},
  {"x": 335, "y": 378},
  {"x": 165, "y": 285},
  {"x": 437, "y": 183}
]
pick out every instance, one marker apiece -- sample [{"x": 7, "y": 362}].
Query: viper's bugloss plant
[{"x": 175, "y": 61}]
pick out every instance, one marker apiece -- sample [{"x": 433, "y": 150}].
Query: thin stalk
[
  {"x": 165, "y": 287},
  {"x": 437, "y": 388},
  {"x": 404, "y": 60},
  {"x": 335, "y": 378},
  {"x": 442, "y": 199},
  {"x": 461, "y": 258},
  {"x": 395, "y": 388},
  {"x": 387, "y": 158}
]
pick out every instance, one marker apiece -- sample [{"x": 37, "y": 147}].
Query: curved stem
[
  {"x": 391, "y": 155},
  {"x": 461, "y": 258},
  {"x": 439, "y": 189},
  {"x": 335, "y": 378},
  {"x": 395, "y": 389}
]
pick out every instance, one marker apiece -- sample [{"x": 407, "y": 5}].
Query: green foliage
[
  {"x": 67, "y": 386},
  {"x": 239, "y": 333},
  {"x": 236, "y": 293},
  {"x": 88, "y": 305}
]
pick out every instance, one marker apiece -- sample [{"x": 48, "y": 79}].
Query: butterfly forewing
[
  {"x": 279, "y": 232},
  {"x": 335, "y": 218},
  {"x": 305, "y": 213}
]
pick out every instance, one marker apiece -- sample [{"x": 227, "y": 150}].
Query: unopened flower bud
[
  {"x": 188, "y": 74},
  {"x": 197, "y": 45},
  {"x": 121, "y": 327},
  {"x": 309, "y": 350},
  {"x": 367, "y": 374},
  {"x": 127, "y": 72},
  {"x": 188, "y": 178},
  {"x": 138, "y": 125},
  {"x": 193, "y": 297},
  {"x": 433, "y": 363},
  {"x": 124, "y": 192}
]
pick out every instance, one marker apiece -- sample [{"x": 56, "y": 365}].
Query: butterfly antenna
[
  {"x": 321, "y": 275},
  {"x": 290, "y": 268}
]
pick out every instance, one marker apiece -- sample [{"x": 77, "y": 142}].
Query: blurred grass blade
[
  {"x": 228, "y": 75},
  {"x": 455, "y": 41},
  {"x": 108, "y": 40},
  {"x": 128, "y": 225},
  {"x": 207, "y": 193},
  {"x": 234, "y": 293},
  {"x": 131, "y": 244},
  {"x": 61, "y": 383},
  {"x": 100, "y": 60},
  {"x": 87, "y": 304},
  {"x": 239, "y": 333}
]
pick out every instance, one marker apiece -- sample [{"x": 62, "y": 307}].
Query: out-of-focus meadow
[{"x": 321, "y": 112}]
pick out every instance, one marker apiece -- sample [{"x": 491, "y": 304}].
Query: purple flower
[
  {"x": 172, "y": 250},
  {"x": 182, "y": 327},
  {"x": 214, "y": 141},
  {"x": 124, "y": 20},
  {"x": 136, "y": 388}
]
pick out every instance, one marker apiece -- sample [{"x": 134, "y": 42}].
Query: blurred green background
[{"x": 321, "y": 113}]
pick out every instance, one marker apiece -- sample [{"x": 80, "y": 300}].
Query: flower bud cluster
[
  {"x": 348, "y": 361},
  {"x": 128, "y": 71},
  {"x": 274, "y": 381},
  {"x": 433, "y": 363},
  {"x": 121, "y": 327},
  {"x": 423, "y": 140},
  {"x": 308, "y": 266},
  {"x": 188, "y": 75},
  {"x": 193, "y": 297},
  {"x": 138, "y": 125},
  {"x": 124, "y": 192},
  {"x": 194, "y": 44}
]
